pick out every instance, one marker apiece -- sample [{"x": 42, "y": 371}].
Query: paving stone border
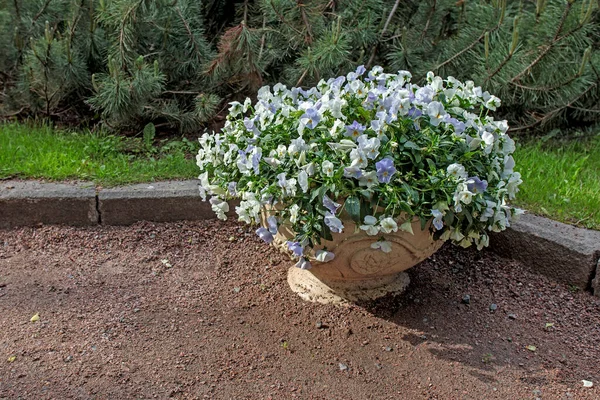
[
  {"x": 31, "y": 203},
  {"x": 560, "y": 251},
  {"x": 563, "y": 252}
]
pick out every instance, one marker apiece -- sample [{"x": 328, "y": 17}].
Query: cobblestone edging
[{"x": 563, "y": 252}]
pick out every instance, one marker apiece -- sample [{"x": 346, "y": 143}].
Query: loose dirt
[{"x": 202, "y": 310}]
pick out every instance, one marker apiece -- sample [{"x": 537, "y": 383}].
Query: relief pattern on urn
[{"x": 359, "y": 271}]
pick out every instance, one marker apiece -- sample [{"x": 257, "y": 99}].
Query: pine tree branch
[
  {"x": 554, "y": 112},
  {"x": 502, "y": 64},
  {"x": 189, "y": 32},
  {"x": 302, "y": 77},
  {"x": 282, "y": 18},
  {"x": 180, "y": 92},
  {"x": 555, "y": 40},
  {"x": 469, "y": 47},
  {"x": 383, "y": 30},
  {"x": 309, "y": 38},
  {"x": 431, "y": 12},
  {"x": 263, "y": 37},
  {"x": 122, "y": 32},
  {"x": 547, "y": 88},
  {"x": 17, "y": 9},
  {"x": 39, "y": 14}
]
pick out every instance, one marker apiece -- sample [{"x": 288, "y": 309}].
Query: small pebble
[
  {"x": 512, "y": 316},
  {"x": 319, "y": 325},
  {"x": 388, "y": 348},
  {"x": 466, "y": 299},
  {"x": 343, "y": 367},
  {"x": 68, "y": 358},
  {"x": 493, "y": 307}
]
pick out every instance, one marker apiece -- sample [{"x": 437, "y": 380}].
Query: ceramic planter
[{"x": 358, "y": 272}]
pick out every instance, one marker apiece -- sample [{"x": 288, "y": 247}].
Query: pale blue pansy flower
[
  {"x": 385, "y": 170},
  {"x": 382, "y": 245},
  {"x": 331, "y": 205},
  {"x": 437, "y": 219},
  {"x": 370, "y": 225},
  {"x": 265, "y": 235},
  {"x": 334, "y": 223},
  {"x": 303, "y": 263}
]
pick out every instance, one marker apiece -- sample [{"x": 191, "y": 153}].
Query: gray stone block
[
  {"x": 158, "y": 202},
  {"x": 560, "y": 251},
  {"x": 29, "y": 203}
]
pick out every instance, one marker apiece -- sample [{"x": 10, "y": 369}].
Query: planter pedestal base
[{"x": 310, "y": 288}]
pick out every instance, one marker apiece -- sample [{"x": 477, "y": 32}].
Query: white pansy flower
[
  {"x": 457, "y": 171},
  {"x": 327, "y": 168},
  {"x": 220, "y": 207},
  {"x": 303, "y": 181},
  {"x": 294, "y": 210},
  {"x": 324, "y": 256},
  {"x": 388, "y": 225},
  {"x": 358, "y": 158},
  {"x": 368, "y": 179}
]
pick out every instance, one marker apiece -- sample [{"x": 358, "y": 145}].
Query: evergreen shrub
[{"x": 177, "y": 63}]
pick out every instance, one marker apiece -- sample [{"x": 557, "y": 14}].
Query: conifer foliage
[{"x": 178, "y": 62}]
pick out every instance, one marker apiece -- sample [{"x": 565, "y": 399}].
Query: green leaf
[
  {"x": 423, "y": 222},
  {"x": 326, "y": 232},
  {"x": 149, "y": 134},
  {"x": 352, "y": 206},
  {"x": 407, "y": 227}
]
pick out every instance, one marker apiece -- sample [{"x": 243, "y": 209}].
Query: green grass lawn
[
  {"x": 561, "y": 181},
  {"x": 28, "y": 151}
]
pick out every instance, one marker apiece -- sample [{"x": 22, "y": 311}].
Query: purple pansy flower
[
  {"x": 272, "y": 224},
  {"x": 255, "y": 162},
  {"x": 264, "y": 234},
  {"x": 414, "y": 113},
  {"x": 296, "y": 248},
  {"x": 354, "y": 130},
  {"x": 360, "y": 70},
  {"x": 331, "y": 205},
  {"x": 232, "y": 188},
  {"x": 476, "y": 185},
  {"x": 459, "y": 126},
  {"x": 385, "y": 170}
]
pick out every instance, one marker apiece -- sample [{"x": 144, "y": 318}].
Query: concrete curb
[
  {"x": 31, "y": 203},
  {"x": 563, "y": 252},
  {"x": 158, "y": 202},
  {"x": 560, "y": 251}
]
